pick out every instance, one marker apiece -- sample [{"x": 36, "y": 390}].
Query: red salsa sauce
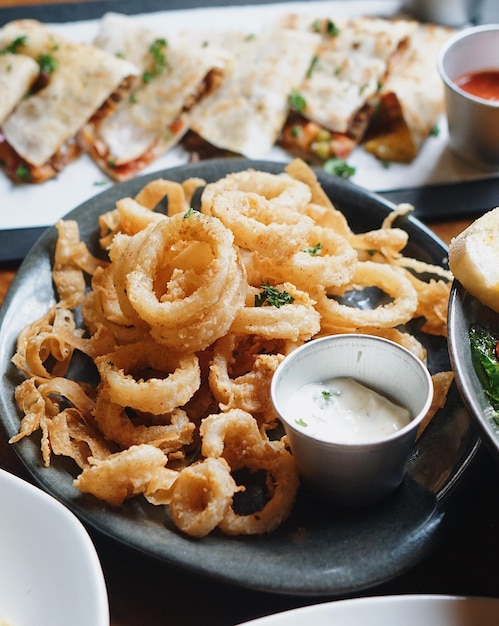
[{"x": 482, "y": 84}]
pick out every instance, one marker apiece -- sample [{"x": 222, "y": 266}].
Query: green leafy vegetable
[{"x": 484, "y": 354}]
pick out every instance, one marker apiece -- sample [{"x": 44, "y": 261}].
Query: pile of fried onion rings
[{"x": 185, "y": 322}]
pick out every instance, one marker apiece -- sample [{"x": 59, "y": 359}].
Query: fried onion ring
[
  {"x": 121, "y": 475},
  {"x": 282, "y": 190},
  {"x": 116, "y": 425},
  {"x": 327, "y": 259},
  {"x": 257, "y": 226},
  {"x": 172, "y": 379},
  {"x": 201, "y": 496},
  {"x": 390, "y": 280},
  {"x": 297, "y": 321}
]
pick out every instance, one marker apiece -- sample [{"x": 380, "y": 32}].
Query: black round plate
[{"x": 320, "y": 550}]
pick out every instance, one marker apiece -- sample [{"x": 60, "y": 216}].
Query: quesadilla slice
[
  {"x": 18, "y": 73},
  {"x": 175, "y": 77},
  {"x": 40, "y": 137},
  {"x": 411, "y": 99},
  {"x": 333, "y": 106},
  {"x": 246, "y": 114}
]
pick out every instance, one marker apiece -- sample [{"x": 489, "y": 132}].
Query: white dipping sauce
[{"x": 342, "y": 410}]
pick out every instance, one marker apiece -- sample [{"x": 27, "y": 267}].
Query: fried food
[{"x": 184, "y": 325}]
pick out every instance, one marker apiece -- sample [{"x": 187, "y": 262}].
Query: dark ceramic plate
[
  {"x": 320, "y": 550},
  {"x": 465, "y": 310}
]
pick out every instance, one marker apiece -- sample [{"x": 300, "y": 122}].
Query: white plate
[
  {"x": 50, "y": 574},
  {"x": 408, "y": 610}
]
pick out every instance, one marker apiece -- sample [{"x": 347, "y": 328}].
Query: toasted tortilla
[
  {"x": 42, "y": 130},
  {"x": 339, "y": 93},
  {"x": 175, "y": 76},
  {"x": 411, "y": 99},
  {"x": 246, "y": 114},
  {"x": 18, "y": 72}
]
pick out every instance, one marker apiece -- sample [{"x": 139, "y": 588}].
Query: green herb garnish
[
  {"x": 14, "y": 46},
  {"x": 313, "y": 64},
  {"x": 156, "y": 49},
  {"x": 271, "y": 296},
  {"x": 338, "y": 167},
  {"x": 314, "y": 250},
  {"x": 296, "y": 101},
  {"x": 23, "y": 172},
  {"x": 47, "y": 63},
  {"x": 190, "y": 212},
  {"x": 331, "y": 29},
  {"x": 300, "y": 422}
]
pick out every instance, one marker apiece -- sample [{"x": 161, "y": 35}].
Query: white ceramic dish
[
  {"x": 50, "y": 573},
  {"x": 409, "y": 610}
]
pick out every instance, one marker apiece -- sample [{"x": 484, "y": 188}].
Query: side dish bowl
[
  {"x": 473, "y": 121},
  {"x": 50, "y": 574},
  {"x": 355, "y": 467}
]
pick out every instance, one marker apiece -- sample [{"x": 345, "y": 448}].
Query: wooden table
[{"x": 142, "y": 591}]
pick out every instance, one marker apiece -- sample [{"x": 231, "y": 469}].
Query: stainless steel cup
[
  {"x": 473, "y": 122},
  {"x": 358, "y": 473}
]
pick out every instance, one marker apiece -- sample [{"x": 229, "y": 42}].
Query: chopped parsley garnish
[
  {"x": 331, "y": 29},
  {"x": 190, "y": 212},
  {"x": 271, "y": 296},
  {"x": 326, "y": 394},
  {"x": 435, "y": 131},
  {"x": 327, "y": 27},
  {"x": 47, "y": 63},
  {"x": 156, "y": 49},
  {"x": 300, "y": 422},
  {"x": 338, "y": 167},
  {"x": 314, "y": 250},
  {"x": 296, "y": 130},
  {"x": 296, "y": 101},
  {"x": 314, "y": 62},
  {"x": 13, "y": 47},
  {"x": 23, "y": 172}
]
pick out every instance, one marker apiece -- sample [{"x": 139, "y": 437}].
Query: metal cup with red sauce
[{"x": 469, "y": 67}]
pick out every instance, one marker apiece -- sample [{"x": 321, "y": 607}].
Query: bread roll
[{"x": 474, "y": 259}]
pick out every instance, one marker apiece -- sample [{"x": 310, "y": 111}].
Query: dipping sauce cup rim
[
  {"x": 315, "y": 343},
  {"x": 450, "y": 82}
]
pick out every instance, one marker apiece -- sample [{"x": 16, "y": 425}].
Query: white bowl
[
  {"x": 344, "y": 471},
  {"x": 50, "y": 574},
  {"x": 409, "y": 610}
]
